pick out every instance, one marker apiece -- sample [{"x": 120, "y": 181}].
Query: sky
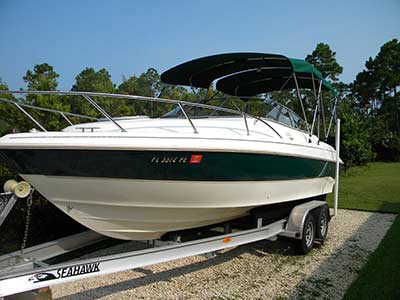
[{"x": 128, "y": 37}]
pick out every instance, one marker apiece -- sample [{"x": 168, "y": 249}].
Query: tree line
[{"x": 369, "y": 106}]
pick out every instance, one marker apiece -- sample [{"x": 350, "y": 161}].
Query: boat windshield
[{"x": 264, "y": 108}]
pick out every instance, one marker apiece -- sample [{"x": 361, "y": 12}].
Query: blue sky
[{"x": 128, "y": 37}]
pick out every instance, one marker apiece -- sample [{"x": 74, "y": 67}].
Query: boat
[{"x": 138, "y": 178}]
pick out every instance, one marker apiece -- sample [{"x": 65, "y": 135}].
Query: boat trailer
[{"x": 29, "y": 272}]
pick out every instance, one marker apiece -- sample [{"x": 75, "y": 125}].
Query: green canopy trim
[
  {"x": 304, "y": 68},
  {"x": 245, "y": 74}
]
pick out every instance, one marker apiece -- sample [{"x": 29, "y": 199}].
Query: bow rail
[{"x": 87, "y": 96}]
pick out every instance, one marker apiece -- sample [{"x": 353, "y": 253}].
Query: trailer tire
[
  {"x": 306, "y": 243},
  {"x": 322, "y": 223}
]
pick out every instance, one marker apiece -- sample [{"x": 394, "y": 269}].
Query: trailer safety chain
[{"x": 27, "y": 220}]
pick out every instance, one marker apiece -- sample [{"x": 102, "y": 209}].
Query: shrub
[{"x": 356, "y": 147}]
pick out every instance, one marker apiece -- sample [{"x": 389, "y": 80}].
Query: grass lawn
[
  {"x": 380, "y": 277},
  {"x": 375, "y": 187}
]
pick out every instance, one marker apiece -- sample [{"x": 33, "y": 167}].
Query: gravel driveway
[{"x": 262, "y": 270}]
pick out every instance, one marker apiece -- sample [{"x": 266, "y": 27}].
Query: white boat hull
[
  {"x": 146, "y": 209},
  {"x": 160, "y": 176}
]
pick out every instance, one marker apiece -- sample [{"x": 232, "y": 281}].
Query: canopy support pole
[
  {"x": 316, "y": 108},
  {"x": 314, "y": 90},
  {"x": 283, "y": 86},
  {"x": 162, "y": 91},
  {"x": 333, "y": 114},
  {"x": 323, "y": 113},
  {"x": 301, "y": 103}
]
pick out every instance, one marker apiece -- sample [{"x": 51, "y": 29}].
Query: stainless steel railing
[
  {"x": 87, "y": 96},
  {"x": 64, "y": 114}
]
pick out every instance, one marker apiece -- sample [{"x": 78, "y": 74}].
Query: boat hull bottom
[{"x": 133, "y": 209}]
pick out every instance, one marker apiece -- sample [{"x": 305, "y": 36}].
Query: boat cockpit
[{"x": 263, "y": 108}]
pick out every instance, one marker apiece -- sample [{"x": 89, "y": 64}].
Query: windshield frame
[{"x": 177, "y": 112}]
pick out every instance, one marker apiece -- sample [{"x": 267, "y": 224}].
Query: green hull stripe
[{"x": 165, "y": 165}]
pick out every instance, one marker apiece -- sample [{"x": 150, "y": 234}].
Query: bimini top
[{"x": 246, "y": 74}]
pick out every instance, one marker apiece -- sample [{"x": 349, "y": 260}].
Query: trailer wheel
[
  {"x": 306, "y": 243},
  {"x": 322, "y": 216}
]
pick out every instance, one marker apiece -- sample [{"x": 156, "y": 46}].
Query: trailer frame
[{"x": 41, "y": 276}]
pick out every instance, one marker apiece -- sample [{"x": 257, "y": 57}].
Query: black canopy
[{"x": 245, "y": 74}]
